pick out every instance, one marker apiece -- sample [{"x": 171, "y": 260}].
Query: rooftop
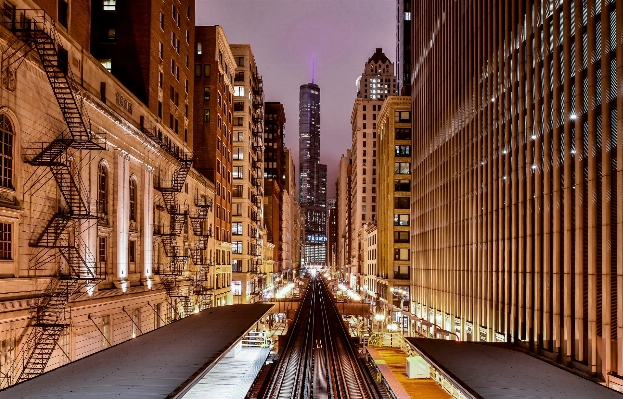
[
  {"x": 378, "y": 56},
  {"x": 158, "y": 364},
  {"x": 492, "y": 371}
]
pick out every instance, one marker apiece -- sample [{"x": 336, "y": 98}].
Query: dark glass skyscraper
[
  {"x": 313, "y": 176},
  {"x": 403, "y": 46}
]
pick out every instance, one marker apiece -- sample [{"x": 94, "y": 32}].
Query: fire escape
[
  {"x": 257, "y": 197},
  {"x": 61, "y": 238},
  {"x": 202, "y": 286},
  {"x": 173, "y": 274}
]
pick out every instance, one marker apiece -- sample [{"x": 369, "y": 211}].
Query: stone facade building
[
  {"x": 394, "y": 189},
  {"x": 105, "y": 225},
  {"x": 376, "y": 83}
]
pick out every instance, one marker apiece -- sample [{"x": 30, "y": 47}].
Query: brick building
[
  {"x": 147, "y": 46},
  {"x": 213, "y": 131}
]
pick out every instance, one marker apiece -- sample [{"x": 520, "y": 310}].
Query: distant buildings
[
  {"x": 313, "y": 176},
  {"x": 332, "y": 241}
]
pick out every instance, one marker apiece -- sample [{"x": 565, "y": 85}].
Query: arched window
[
  {"x": 6, "y": 152},
  {"x": 132, "y": 200},
  {"x": 102, "y": 191}
]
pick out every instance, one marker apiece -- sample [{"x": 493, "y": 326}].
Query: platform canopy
[
  {"x": 495, "y": 371},
  {"x": 160, "y": 364}
]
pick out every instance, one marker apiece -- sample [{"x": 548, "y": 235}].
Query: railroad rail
[{"x": 318, "y": 360}]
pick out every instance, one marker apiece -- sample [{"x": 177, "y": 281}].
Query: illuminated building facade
[
  {"x": 312, "y": 176},
  {"x": 516, "y": 228}
]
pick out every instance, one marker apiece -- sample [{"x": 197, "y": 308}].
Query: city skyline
[{"x": 286, "y": 50}]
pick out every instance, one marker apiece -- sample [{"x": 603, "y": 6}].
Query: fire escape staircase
[
  {"x": 50, "y": 315},
  {"x": 172, "y": 275}
]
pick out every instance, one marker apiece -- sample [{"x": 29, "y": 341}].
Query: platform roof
[
  {"x": 160, "y": 364},
  {"x": 492, "y": 371}
]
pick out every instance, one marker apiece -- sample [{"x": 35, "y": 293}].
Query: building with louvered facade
[{"x": 516, "y": 229}]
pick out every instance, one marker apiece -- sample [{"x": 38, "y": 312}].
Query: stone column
[
  {"x": 122, "y": 215},
  {"x": 148, "y": 222}
]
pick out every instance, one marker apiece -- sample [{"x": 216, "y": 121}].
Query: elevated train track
[{"x": 318, "y": 360}]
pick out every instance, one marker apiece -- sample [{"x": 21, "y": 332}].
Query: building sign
[
  {"x": 124, "y": 103},
  {"x": 316, "y": 238}
]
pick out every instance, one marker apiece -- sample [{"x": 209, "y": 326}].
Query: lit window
[
  {"x": 199, "y": 48},
  {"x": 238, "y": 91},
  {"x": 106, "y": 63},
  {"x": 110, "y": 34},
  {"x": 236, "y": 287},
  {"x": 236, "y": 228},
  {"x": 238, "y": 172},
  {"x": 110, "y": 5}
]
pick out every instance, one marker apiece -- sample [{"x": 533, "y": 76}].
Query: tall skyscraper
[
  {"x": 313, "y": 176},
  {"x": 403, "y": 46}
]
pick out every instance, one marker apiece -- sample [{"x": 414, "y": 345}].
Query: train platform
[
  {"x": 391, "y": 362},
  {"x": 485, "y": 370},
  {"x": 164, "y": 363},
  {"x": 232, "y": 377}
]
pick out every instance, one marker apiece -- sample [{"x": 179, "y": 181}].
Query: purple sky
[{"x": 285, "y": 34}]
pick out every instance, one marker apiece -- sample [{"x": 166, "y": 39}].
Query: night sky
[{"x": 286, "y": 34}]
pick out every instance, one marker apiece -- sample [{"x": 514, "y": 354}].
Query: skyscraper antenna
[{"x": 313, "y": 68}]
